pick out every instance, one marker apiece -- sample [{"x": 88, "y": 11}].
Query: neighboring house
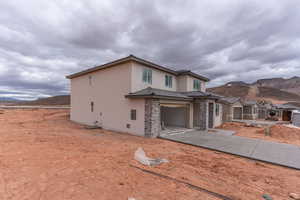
[
  {"x": 250, "y": 110},
  {"x": 296, "y": 118},
  {"x": 142, "y": 98},
  {"x": 232, "y": 108},
  {"x": 285, "y": 111},
  {"x": 264, "y": 110}
]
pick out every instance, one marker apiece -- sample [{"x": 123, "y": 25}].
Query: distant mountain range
[
  {"x": 8, "y": 99},
  {"x": 277, "y": 90},
  {"x": 55, "y": 100}
]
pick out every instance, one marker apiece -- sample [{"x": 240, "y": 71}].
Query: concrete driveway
[{"x": 262, "y": 150}]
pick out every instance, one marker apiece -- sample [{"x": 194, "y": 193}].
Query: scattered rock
[
  {"x": 267, "y": 181},
  {"x": 295, "y": 196},
  {"x": 267, "y": 197}
]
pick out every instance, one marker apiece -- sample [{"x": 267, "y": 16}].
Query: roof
[
  {"x": 138, "y": 60},
  {"x": 190, "y": 73},
  {"x": 166, "y": 94},
  {"x": 198, "y": 94},
  {"x": 250, "y": 102},
  {"x": 286, "y": 107},
  {"x": 230, "y": 100}
]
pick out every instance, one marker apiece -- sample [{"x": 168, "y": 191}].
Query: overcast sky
[{"x": 42, "y": 41}]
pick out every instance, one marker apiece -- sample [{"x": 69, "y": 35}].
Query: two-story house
[{"x": 143, "y": 98}]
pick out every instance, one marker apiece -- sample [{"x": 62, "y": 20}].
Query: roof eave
[{"x": 157, "y": 97}]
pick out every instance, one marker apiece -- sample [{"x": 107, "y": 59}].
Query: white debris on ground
[
  {"x": 140, "y": 156},
  {"x": 295, "y": 196},
  {"x": 291, "y": 126}
]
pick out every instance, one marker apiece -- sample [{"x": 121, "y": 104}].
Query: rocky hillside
[
  {"x": 277, "y": 90},
  {"x": 290, "y": 85}
]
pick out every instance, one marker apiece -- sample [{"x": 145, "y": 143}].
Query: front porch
[
  {"x": 169, "y": 111},
  {"x": 163, "y": 117}
]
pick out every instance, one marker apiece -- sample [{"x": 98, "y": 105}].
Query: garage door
[
  {"x": 174, "y": 115},
  {"x": 237, "y": 113}
]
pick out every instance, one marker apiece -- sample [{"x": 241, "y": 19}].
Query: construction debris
[
  {"x": 267, "y": 197},
  {"x": 140, "y": 156},
  {"x": 295, "y": 196}
]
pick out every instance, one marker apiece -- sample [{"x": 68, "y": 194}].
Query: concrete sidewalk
[{"x": 272, "y": 152}]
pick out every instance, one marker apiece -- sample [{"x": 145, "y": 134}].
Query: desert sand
[{"x": 44, "y": 156}]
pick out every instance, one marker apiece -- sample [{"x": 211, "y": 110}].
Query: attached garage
[{"x": 174, "y": 115}]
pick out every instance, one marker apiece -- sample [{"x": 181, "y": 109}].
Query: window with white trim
[
  {"x": 197, "y": 84},
  {"x": 168, "y": 81},
  {"x": 147, "y": 76}
]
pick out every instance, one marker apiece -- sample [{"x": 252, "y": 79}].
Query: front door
[{"x": 211, "y": 115}]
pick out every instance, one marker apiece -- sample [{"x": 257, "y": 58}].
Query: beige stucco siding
[
  {"x": 190, "y": 84},
  {"x": 182, "y": 83},
  {"x": 107, "y": 91},
  {"x": 158, "y": 79},
  {"x": 186, "y": 83}
]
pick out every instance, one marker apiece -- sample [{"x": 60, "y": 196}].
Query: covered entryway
[
  {"x": 237, "y": 113},
  {"x": 174, "y": 117}
]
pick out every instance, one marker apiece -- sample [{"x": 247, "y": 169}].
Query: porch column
[{"x": 152, "y": 118}]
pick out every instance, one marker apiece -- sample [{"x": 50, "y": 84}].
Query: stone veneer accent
[{"x": 152, "y": 117}]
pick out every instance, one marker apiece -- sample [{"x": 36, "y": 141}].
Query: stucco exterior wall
[
  {"x": 186, "y": 83},
  {"x": 111, "y": 109},
  {"x": 158, "y": 79},
  {"x": 190, "y": 84},
  {"x": 182, "y": 83}
]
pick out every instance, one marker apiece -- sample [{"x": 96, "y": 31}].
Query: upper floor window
[
  {"x": 90, "y": 80},
  {"x": 197, "y": 84},
  {"x": 168, "y": 81},
  {"x": 147, "y": 76}
]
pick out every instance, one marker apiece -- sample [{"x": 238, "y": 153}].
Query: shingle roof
[
  {"x": 153, "y": 92},
  {"x": 188, "y": 72},
  {"x": 250, "y": 102},
  {"x": 230, "y": 100},
  {"x": 286, "y": 106},
  {"x": 138, "y": 60},
  {"x": 202, "y": 94}
]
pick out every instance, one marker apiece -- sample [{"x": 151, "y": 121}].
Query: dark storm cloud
[{"x": 42, "y": 41}]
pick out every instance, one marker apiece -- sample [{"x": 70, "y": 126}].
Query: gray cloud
[{"x": 42, "y": 41}]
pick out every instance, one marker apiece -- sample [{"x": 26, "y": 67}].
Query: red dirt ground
[
  {"x": 44, "y": 156},
  {"x": 279, "y": 133}
]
